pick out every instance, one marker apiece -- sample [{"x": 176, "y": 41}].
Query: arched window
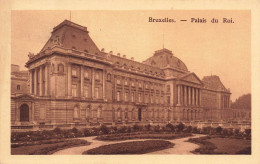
[
  {"x": 60, "y": 68},
  {"x": 119, "y": 113},
  {"x": 88, "y": 110},
  {"x": 86, "y": 74},
  {"x": 99, "y": 111},
  {"x": 24, "y": 113},
  {"x": 52, "y": 68},
  {"x": 76, "y": 112},
  {"x": 108, "y": 76}
]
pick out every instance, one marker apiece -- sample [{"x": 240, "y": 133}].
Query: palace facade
[{"x": 71, "y": 81}]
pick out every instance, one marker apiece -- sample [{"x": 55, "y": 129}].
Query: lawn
[
  {"x": 217, "y": 145},
  {"x": 43, "y": 149},
  {"x": 134, "y": 147},
  {"x": 127, "y": 136},
  {"x": 229, "y": 145}
]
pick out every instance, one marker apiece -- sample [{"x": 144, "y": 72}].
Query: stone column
[
  {"x": 189, "y": 97},
  {"x": 228, "y": 102},
  {"x": 115, "y": 95},
  {"x": 46, "y": 80},
  {"x": 179, "y": 94},
  {"x": 104, "y": 84},
  {"x": 31, "y": 81},
  {"x": 32, "y": 114},
  {"x": 35, "y": 81},
  {"x": 69, "y": 80},
  {"x": 185, "y": 96},
  {"x": 93, "y": 83},
  {"x": 193, "y": 96},
  {"x": 40, "y": 81},
  {"x": 197, "y": 97},
  {"x": 82, "y": 81}
]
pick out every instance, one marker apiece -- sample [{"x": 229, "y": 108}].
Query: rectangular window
[
  {"x": 126, "y": 96},
  {"x": 96, "y": 93},
  {"x": 151, "y": 99},
  {"x": 140, "y": 84},
  {"x": 140, "y": 97},
  {"x": 97, "y": 76},
  {"x": 86, "y": 92},
  {"x": 74, "y": 90},
  {"x": 86, "y": 74},
  {"x": 168, "y": 88},
  {"x": 168, "y": 99},
  {"x": 133, "y": 84},
  {"x": 74, "y": 72},
  {"x": 118, "y": 96},
  {"x": 18, "y": 87},
  {"x": 133, "y": 97}
]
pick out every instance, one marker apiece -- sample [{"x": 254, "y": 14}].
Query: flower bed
[
  {"x": 217, "y": 145},
  {"x": 146, "y": 135},
  {"x": 44, "y": 149},
  {"x": 136, "y": 147}
]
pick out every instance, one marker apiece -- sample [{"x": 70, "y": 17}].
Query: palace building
[{"x": 71, "y": 81}]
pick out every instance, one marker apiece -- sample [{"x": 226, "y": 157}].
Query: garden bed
[
  {"x": 135, "y": 147},
  {"x": 128, "y": 136},
  {"x": 216, "y": 145},
  {"x": 44, "y": 149}
]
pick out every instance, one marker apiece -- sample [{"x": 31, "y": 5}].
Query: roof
[
  {"x": 136, "y": 66},
  {"x": 165, "y": 58},
  {"x": 213, "y": 82},
  {"x": 70, "y": 35}
]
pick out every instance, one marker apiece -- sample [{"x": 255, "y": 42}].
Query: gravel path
[{"x": 180, "y": 147}]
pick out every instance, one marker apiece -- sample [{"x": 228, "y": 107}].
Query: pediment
[
  {"x": 191, "y": 78},
  {"x": 24, "y": 96}
]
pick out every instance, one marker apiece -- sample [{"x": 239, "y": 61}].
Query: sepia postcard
[{"x": 160, "y": 84}]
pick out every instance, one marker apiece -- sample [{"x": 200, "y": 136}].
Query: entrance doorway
[
  {"x": 24, "y": 113},
  {"x": 139, "y": 114}
]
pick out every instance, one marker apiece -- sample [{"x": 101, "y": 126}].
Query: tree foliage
[{"x": 243, "y": 102}]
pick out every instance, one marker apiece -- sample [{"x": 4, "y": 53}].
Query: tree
[{"x": 243, "y": 102}]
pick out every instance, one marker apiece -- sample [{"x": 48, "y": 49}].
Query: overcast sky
[{"x": 206, "y": 48}]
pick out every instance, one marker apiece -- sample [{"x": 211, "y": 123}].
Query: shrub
[
  {"x": 237, "y": 132},
  {"x": 86, "y": 132},
  {"x": 148, "y": 127},
  {"x": 188, "y": 129},
  {"x": 206, "y": 130},
  {"x": 180, "y": 127},
  {"x": 74, "y": 130},
  {"x": 224, "y": 132},
  {"x": 129, "y": 129},
  {"x": 170, "y": 127},
  {"x": 136, "y": 127},
  {"x": 123, "y": 129},
  {"x": 218, "y": 130},
  {"x": 194, "y": 130},
  {"x": 157, "y": 128},
  {"x": 57, "y": 130},
  {"x": 248, "y": 132},
  {"x": 104, "y": 129},
  {"x": 230, "y": 131}
]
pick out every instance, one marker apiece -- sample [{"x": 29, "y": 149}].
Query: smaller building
[
  {"x": 19, "y": 87},
  {"x": 19, "y": 80}
]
